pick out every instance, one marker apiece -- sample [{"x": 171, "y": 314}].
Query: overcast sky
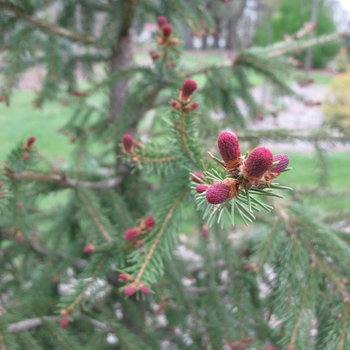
[{"x": 345, "y": 4}]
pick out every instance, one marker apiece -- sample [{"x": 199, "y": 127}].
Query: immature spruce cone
[
  {"x": 258, "y": 163},
  {"x": 218, "y": 193},
  {"x": 188, "y": 87},
  {"x": 192, "y": 107},
  {"x": 89, "y": 248},
  {"x": 132, "y": 233},
  {"x": 283, "y": 163},
  {"x": 127, "y": 140},
  {"x": 29, "y": 143},
  {"x": 198, "y": 175},
  {"x": 229, "y": 149},
  {"x": 201, "y": 188},
  {"x": 130, "y": 290},
  {"x": 161, "y": 20},
  {"x": 149, "y": 222},
  {"x": 167, "y": 29},
  {"x": 144, "y": 289},
  {"x": 126, "y": 277}
]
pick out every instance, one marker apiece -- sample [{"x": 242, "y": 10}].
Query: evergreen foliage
[
  {"x": 289, "y": 16},
  {"x": 337, "y": 102},
  {"x": 92, "y": 251}
]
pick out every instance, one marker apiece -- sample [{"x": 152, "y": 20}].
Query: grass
[
  {"x": 306, "y": 173},
  {"x": 21, "y": 120},
  {"x": 322, "y": 78}
]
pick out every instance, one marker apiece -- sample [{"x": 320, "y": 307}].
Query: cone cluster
[
  {"x": 166, "y": 32},
  {"x": 259, "y": 168},
  {"x": 165, "y": 38},
  {"x": 133, "y": 287},
  {"x": 183, "y": 102},
  {"x": 135, "y": 234}
]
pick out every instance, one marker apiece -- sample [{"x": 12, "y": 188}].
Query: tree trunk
[
  {"x": 314, "y": 15},
  {"x": 121, "y": 58},
  {"x": 231, "y": 37},
  {"x": 187, "y": 37},
  {"x": 204, "y": 42},
  {"x": 217, "y": 35}
]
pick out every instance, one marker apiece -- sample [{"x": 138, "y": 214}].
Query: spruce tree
[{"x": 107, "y": 266}]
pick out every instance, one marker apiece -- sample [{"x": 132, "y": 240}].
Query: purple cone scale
[
  {"x": 283, "y": 160},
  {"x": 229, "y": 146},
  {"x": 218, "y": 193},
  {"x": 201, "y": 188},
  {"x": 258, "y": 163}
]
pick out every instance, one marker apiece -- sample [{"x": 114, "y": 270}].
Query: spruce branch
[
  {"x": 159, "y": 235},
  {"x": 205, "y": 290},
  {"x": 269, "y": 243},
  {"x": 86, "y": 285},
  {"x": 62, "y": 180},
  {"x": 46, "y": 26},
  {"x": 271, "y": 52},
  {"x": 156, "y": 160},
  {"x": 304, "y": 44},
  {"x": 63, "y": 339},
  {"x": 95, "y": 217},
  {"x": 304, "y": 299},
  {"x": 98, "y": 5},
  {"x": 114, "y": 76},
  {"x": 30, "y": 323},
  {"x": 186, "y": 299},
  {"x": 14, "y": 67},
  {"x": 181, "y": 129},
  {"x": 289, "y": 135},
  {"x": 43, "y": 251},
  {"x": 345, "y": 320}
]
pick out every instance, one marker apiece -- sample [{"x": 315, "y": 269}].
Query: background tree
[
  {"x": 290, "y": 16},
  {"x": 92, "y": 255}
]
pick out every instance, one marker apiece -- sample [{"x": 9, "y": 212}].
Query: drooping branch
[
  {"x": 63, "y": 181},
  {"x": 49, "y": 27},
  {"x": 159, "y": 236},
  {"x": 95, "y": 217},
  {"x": 276, "y": 50},
  {"x": 307, "y": 43},
  {"x": 42, "y": 251},
  {"x": 30, "y": 323}
]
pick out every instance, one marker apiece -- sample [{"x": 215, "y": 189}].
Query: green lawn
[
  {"x": 21, "y": 120},
  {"x": 305, "y": 173}
]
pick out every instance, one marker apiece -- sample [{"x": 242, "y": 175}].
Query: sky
[{"x": 345, "y": 4}]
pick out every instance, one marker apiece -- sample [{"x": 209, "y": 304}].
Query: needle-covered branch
[
  {"x": 36, "y": 22},
  {"x": 63, "y": 180},
  {"x": 30, "y": 323}
]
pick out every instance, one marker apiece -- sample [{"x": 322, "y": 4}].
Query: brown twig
[
  {"x": 41, "y": 250},
  {"x": 62, "y": 180},
  {"x": 30, "y": 323},
  {"x": 49, "y": 27},
  {"x": 159, "y": 236},
  {"x": 95, "y": 218}
]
